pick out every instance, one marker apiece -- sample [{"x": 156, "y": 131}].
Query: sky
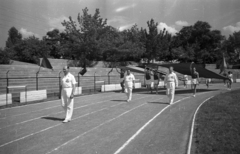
[{"x": 37, "y": 17}]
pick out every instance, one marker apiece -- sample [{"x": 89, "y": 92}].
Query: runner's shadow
[
  {"x": 119, "y": 100},
  {"x": 159, "y": 102},
  {"x": 184, "y": 91},
  {"x": 52, "y": 118}
]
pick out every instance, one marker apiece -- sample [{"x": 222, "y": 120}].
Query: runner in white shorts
[
  {"x": 129, "y": 80},
  {"x": 171, "y": 82},
  {"x": 195, "y": 81}
]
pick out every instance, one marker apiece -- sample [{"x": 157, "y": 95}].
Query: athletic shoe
[
  {"x": 194, "y": 96},
  {"x": 128, "y": 101},
  {"x": 65, "y": 121}
]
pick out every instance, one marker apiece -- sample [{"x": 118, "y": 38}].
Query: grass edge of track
[{"x": 217, "y": 126}]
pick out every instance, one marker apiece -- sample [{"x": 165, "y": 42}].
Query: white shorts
[{"x": 194, "y": 81}]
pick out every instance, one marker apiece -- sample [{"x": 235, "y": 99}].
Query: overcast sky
[{"x": 37, "y": 17}]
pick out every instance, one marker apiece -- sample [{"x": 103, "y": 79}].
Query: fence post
[
  {"x": 7, "y": 80},
  {"x": 59, "y": 77},
  {"x": 37, "y": 80},
  {"x": 108, "y": 79},
  {"x": 78, "y": 79},
  {"x": 94, "y": 79}
]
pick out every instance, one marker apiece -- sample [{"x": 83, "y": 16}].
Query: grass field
[{"x": 217, "y": 129}]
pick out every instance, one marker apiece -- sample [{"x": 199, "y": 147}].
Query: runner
[
  {"x": 129, "y": 84},
  {"x": 230, "y": 81},
  {"x": 67, "y": 89},
  {"x": 208, "y": 82},
  {"x": 185, "y": 79},
  {"x": 156, "y": 80},
  {"x": 171, "y": 82},
  {"x": 122, "y": 72},
  {"x": 195, "y": 81},
  {"x": 148, "y": 78}
]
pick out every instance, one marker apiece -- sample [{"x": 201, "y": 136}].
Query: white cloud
[
  {"x": 181, "y": 23},
  {"x": 170, "y": 29},
  {"x": 121, "y": 28},
  {"x": 26, "y": 33},
  {"x": 120, "y": 9},
  {"x": 56, "y": 23},
  {"x": 118, "y": 19},
  {"x": 232, "y": 28}
]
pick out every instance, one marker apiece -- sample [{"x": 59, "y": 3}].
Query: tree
[
  {"x": 151, "y": 40},
  {"x": 4, "y": 56},
  {"x": 29, "y": 50},
  {"x": 120, "y": 47},
  {"x": 202, "y": 40},
  {"x": 85, "y": 34},
  {"x": 14, "y": 37},
  {"x": 232, "y": 47},
  {"x": 55, "y": 41}
]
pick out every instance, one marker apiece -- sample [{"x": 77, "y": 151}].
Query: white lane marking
[
  {"x": 43, "y": 103},
  {"x": 193, "y": 123},
  {"x": 55, "y": 126},
  {"x": 52, "y": 114},
  {"x": 61, "y": 123},
  {"x": 57, "y": 148},
  {"x": 144, "y": 126},
  {"x": 44, "y": 109}
]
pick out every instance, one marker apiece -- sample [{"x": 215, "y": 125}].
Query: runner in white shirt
[
  {"x": 129, "y": 80},
  {"x": 171, "y": 82},
  {"x": 67, "y": 93},
  {"x": 230, "y": 81}
]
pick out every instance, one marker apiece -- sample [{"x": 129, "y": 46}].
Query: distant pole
[
  {"x": 59, "y": 81},
  {"x": 7, "y": 80}
]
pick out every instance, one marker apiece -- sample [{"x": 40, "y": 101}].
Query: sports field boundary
[{"x": 192, "y": 125}]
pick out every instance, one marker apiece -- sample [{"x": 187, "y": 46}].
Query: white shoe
[
  {"x": 128, "y": 101},
  {"x": 65, "y": 121},
  {"x": 194, "y": 96}
]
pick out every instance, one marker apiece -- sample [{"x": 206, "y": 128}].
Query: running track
[{"x": 104, "y": 124}]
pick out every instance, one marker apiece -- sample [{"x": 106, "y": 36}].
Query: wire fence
[{"x": 89, "y": 84}]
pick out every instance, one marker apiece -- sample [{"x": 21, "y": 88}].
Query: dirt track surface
[{"x": 105, "y": 124}]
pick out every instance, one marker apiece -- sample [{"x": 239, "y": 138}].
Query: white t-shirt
[
  {"x": 68, "y": 81},
  {"x": 129, "y": 80},
  {"x": 171, "y": 77}
]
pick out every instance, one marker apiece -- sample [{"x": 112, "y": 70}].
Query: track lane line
[
  {"x": 52, "y": 114},
  {"x": 144, "y": 126},
  {"x": 42, "y": 103},
  {"x": 43, "y": 109},
  {"x": 108, "y": 121},
  {"x": 62, "y": 123},
  {"x": 192, "y": 126}
]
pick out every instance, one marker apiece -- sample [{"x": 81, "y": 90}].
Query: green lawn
[{"x": 217, "y": 127}]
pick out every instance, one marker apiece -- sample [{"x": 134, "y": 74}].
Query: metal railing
[{"x": 89, "y": 84}]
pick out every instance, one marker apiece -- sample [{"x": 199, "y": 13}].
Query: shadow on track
[
  {"x": 162, "y": 91},
  {"x": 53, "y": 118},
  {"x": 119, "y": 100},
  {"x": 159, "y": 102}
]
